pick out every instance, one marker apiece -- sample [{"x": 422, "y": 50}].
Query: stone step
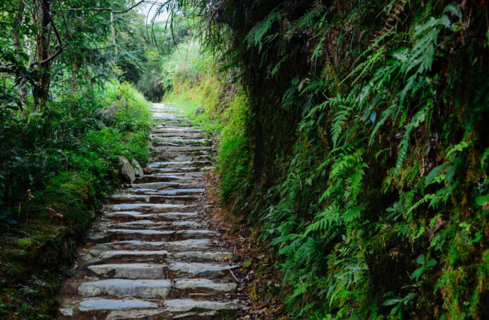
[
  {"x": 153, "y": 288},
  {"x": 167, "y": 178},
  {"x": 178, "y": 135},
  {"x": 200, "y": 256},
  {"x": 162, "y": 271},
  {"x": 177, "y": 170},
  {"x": 146, "y": 289},
  {"x": 118, "y": 256},
  {"x": 183, "y": 148},
  {"x": 150, "y": 207},
  {"x": 156, "y": 225},
  {"x": 187, "y": 174},
  {"x": 165, "y": 136},
  {"x": 178, "y": 157},
  {"x": 200, "y": 270},
  {"x": 163, "y": 152},
  {"x": 170, "y": 246},
  {"x": 172, "y": 192},
  {"x": 176, "y": 130},
  {"x": 202, "y": 287},
  {"x": 167, "y": 192},
  {"x": 179, "y": 142},
  {"x": 129, "y": 198},
  {"x": 167, "y": 216},
  {"x": 130, "y": 308},
  {"x": 131, "y": 271},
  {"x": 164, "y": 185},
  {"x": 180, "y": 164},
  {"x": 174, "y": 253},
  {"x": 153, "y": 197},
  {"x": 145, "y": 234}
]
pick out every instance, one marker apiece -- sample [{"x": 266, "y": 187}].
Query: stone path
[{"x": 153, "y": 255}]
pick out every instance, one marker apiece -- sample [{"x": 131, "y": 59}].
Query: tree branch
[
  {"x": 107, "y": 9},
  {"x": 57, "y": 53}
]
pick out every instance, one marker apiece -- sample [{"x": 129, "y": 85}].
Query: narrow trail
[{"x": 155, "y": 254}]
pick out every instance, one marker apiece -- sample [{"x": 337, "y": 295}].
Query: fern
[
  {"x": 418, "y": 118},
  {"x": 256, "y": 35}
]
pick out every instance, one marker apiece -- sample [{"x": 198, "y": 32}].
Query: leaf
[
  {"x": 434, "y": 173},
  {"x": 431, "y": 263},
  {"x": 449, "y": 173},
  {"x": 421, "y": 259},
  {"x": 373, "y": 116},
  {"x": 477, "y": 238},
  {"x": 482, "y": 200},
  {"x": 409, "y": 297},
  {"x": 417, "y": 273},
  {"x": 453, "y": 8},
  {"x": 390, "y": 302}
]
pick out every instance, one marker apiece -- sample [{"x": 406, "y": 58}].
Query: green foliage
[
  {"x": 67, "y": 154},
  {"x": 366, "y": 158}
]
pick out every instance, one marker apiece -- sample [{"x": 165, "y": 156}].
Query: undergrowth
[{"x": 57, "y": 166}]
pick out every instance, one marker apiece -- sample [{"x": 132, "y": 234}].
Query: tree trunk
[{"x": 42, "y": 89}]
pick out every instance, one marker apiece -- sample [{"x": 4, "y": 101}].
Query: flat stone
[
  {"x": 200, "y": 270},
  {"x": 107, "y": 304},
  {"x": 129, "y": 198},
  {"x": 185, "y": 305},
  {"x": 204, "y": 286},
  {"x": 185, "y": 225},
  {"x": 196, "y": 234},
  {"x": 182, "y": 134},
  {"x": 201, "y": 315},
  {"x": 142, "y": 232},
  {"x": 173, "y": 129},
  {"x": 151, "y": 207},
  {"x": 155, "y": 216},
  {"x": 138, "y": 191},
  {"x": 67, "y": 312},
  {"x": 167, "y": 178},
  {"x": 180, "y": 191},
  {"x": 187, "y": 148},
  {"x": 180, "y": 215},
  {"x": 133, "y": 214},
  {"x": 146, "y": 289},
  {"x": 182, "y": 245},
  {"x": 127, "y": 253},
  {"x": 137, "y": 314},
  {"x": 174, "y": 170},
  {"x": 207, "y": 256},
  {"x": 178, "y": 164},
  {"x": 162, "y": 185},
  {"x": 149, "y": 224},
  {"x": 187, "y": 244},
  {"x": 137, "y": 245},
  {"x": 131, "y": 271},
  {"x": 98, "y": 238}
]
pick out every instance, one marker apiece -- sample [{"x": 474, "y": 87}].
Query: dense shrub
[{"x": 68, "y": 153}]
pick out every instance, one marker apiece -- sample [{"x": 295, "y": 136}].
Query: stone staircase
[{"x": 152, "y": 254}]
